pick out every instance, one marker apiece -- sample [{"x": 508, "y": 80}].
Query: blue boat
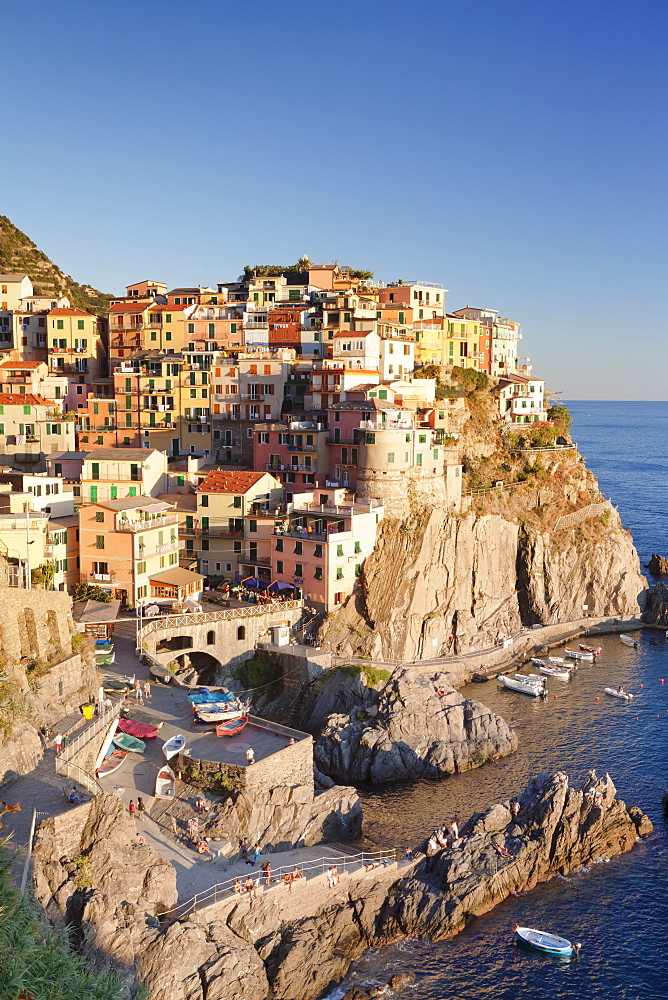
[
  {"x": 550, "y": 943},
  {"x": 210, "y": 697}
]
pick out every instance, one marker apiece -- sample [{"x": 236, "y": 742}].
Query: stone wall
[
  {"x": 400, "y": 489},
  {"x": 35, "y": 623},
  {"x": 290, "y": 766},
  {"x": 234, "y": 638}
]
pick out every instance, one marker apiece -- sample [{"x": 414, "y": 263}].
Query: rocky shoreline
[{"x": 293, "y": 946}]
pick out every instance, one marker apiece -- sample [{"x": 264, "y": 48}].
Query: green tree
[
  {"x": 87, "y": 592},
  {"x": 561, "y": 415}
]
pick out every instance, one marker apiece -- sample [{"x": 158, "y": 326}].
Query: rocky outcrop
[
  {"x": 293, "y": 946},
  {"x": 422, "y": 728},
  {"x": 658, "y": 565},
  {"x": 288, "y": 816},
  {"x": 464, "y": 581},
  {"x": 656, "y": 609}
]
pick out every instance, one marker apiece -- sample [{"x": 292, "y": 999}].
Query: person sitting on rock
[
  {"x": 515, "y": 807},
  {"x": 203, "y": 847},
  {"x": 237, "y": 887},
  {"x": 287, "y": 880},
  {"x": 440, "y": 837},
  {"x": 454, "y": 827},
  {"x": 295, "y": 874}
]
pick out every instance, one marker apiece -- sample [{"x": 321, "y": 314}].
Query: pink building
[
  {"x": 320, "y": 545},
  {"x": 296, "y": 453}
]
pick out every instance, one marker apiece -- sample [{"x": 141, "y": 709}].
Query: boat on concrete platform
[
  {"x": 232, "y": 726},
  {"x": 165, "y": 783},
  {"x": 173, "y": 746},
  {"x": 111, "y": 763},
  {"x": 130, "y": 743}
]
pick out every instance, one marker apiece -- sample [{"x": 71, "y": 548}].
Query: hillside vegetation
[{"x": 19, "y": 255}]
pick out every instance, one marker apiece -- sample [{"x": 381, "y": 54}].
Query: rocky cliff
[
  {"x": 91, "y": 873},
  {"x": 419, "y": 727},
  {"x": 464, "y": 581}
]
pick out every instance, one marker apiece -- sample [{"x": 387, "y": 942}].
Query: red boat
[
  {"x": 231, "y": 726},
  {"x": 596, "y": 650},
  {"x": 139, "y": 729}
]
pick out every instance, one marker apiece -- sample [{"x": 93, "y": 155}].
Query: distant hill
[{"x": 19, "y": 255}]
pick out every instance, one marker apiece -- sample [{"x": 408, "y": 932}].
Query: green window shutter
[
  {"x": 339, "y": 550},
  {"x": 233, "y": 327},
  {"x": 205, "y": 524},
  {"x": 93, "y": 494},
  {"x": 48, "y": 428},
  {"x": 132, "y": 492},
  {"x": 80, "y": 324},
  {"x": 59, "y": 324},
  {"x": 26, "y": 411},
  {"x": 114, "y": 492},
  {"x": 435, "y": 453}
]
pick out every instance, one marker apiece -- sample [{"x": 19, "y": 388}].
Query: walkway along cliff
[{"x": 91, "y": 874}]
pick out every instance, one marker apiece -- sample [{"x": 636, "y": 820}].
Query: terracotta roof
[
  {"x": 226, "y": 481},
  {"x": 63, "y": 311},
  {"x": 139, "y": 306},
  {"x": 354, "y": 333},
  {"x": 21, "y": 365},
  {"x": 27, "y": 398}
]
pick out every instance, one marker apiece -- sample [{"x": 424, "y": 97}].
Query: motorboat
[
  {"x": 557, "y": 661},
  {"x": 578, "y": 654},
  {"x": 530, "y": 678},
  {"x": 524, "y": 687},
  {"x": 232, "y": 726},
  {"x": 130, "y": 743},
  {"x": 629, "y": 641},
  {"x": 111, "y": 763},
  {"x": 173, "y": 746},
  {"x": 551, "y": 670},
  {"x": 217, "y": 712},
  {"x": 165, "y": 783},
  {"x": 615, "y": 693},
  {"x": 551, "y": 943},
  {"x": 596, "y": 650}
]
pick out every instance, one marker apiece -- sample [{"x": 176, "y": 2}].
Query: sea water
[{"x": 617, "y": 908}]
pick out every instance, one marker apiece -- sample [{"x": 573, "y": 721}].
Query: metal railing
[
  {"x": 344, "y": 863},
  {"x": 88, "y": 732},
  {"x": 226, "y": 614},
  {"x": 145, "y": 525},
  {"x": 76, "y": 773}
]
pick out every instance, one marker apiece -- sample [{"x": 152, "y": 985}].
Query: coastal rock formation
[
  {"x": 656, "y": 609},
  {"x": 287, "y": 816},
  {"x": 658, "y": 565},
  {"x": 465, "y": 581},
  {"x": 293, "y": 946},
  {"x": 422, "y": 728}
]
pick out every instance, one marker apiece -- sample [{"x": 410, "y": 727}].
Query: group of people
[
  {"x": 251, "y": 855},
  {"x": 445, "y": 837},
  {"x": 332, "y": 877},
  {"x": 137, "y": 810}
]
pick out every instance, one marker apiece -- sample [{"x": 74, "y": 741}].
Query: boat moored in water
[
  {"x": 552, "y": 670},
  {"x": 596, "y": 650},
  {"x": 531, "y": 688},
  {"x": 617, "y": 693},
  {"x": 629, "y": 641},
  {"x": 550, "y": 943},
  {"x": 578, "y": 654}
]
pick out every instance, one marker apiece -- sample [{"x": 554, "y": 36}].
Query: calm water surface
[{"x": 617, "y": 909}]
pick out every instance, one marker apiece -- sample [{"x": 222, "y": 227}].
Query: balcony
[
  {"x": 195, "y": 531},
  {"x": 250, "y": 561},
  {"x": 98, "y": 577},
  {"x": 146, "y": 524}
]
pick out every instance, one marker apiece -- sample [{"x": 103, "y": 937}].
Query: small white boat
[
  {"x": 549, "y": 670},
  {"x": 596, "y": 650},
  {"x": 578, "y": 654},
  {"x": 217, "y": 712},
  {"x": 557, "y": 661},
  {"x": 550, "y": 943},
  {"x": 524, "y": 687},
  {"x": 629, "y": 641},
  {"x": 173, "y": 746},
  {"x": 165, "y": 783},
  {"x": 614, "y": 693},
  {"x": 530, "y": 678}
]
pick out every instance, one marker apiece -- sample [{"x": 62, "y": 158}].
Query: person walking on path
[
  {"x": 58, "y": 742},
  {"x": 138, "y": 696},
  {"x": 174, "y": 825},
  {"x": 131, "y": 807},
  {"x": 256, "y": 854},
  {"x": 141, "y": 808},
  {"x": 250, "y": 756},
  {"x": 147, "y": 689}
]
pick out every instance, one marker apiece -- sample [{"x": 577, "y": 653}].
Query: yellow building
[
  {"x": 74, "y": 343},
  {"x": 430, "y": 341},
  {"x": 146, "y": 325},
  {"x": 463, "y": 343},
  {"x": 234, "y": 522}
]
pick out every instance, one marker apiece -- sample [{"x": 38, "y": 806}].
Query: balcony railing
[
  {"x": 146, "y": 524},
  {"x": 99, "y": 577},
  {"x": 195, "y": 531}
]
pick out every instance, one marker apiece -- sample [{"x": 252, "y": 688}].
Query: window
[
  {"x": 371, "y": 439},
  {"x": 299, "y": 569},
  {"x": 422, "y": 438},
  {"x": 204, "y": 500},
  {"x": 318, "y": 573},
  {"x": 279, "y": 544},
  {"x": 435, "y": 453},
  {"x": 211, "y": 638},
  {"x": 59, "y": 324},
  {"x": 339, "y": 573},
  {"x": 279, "y": 566},
  {"x": 358, "y": 548},
  {"x": 390, "y": 457},
  {"x": 241, "y": 632},
  {"x": 99, "y": 516},
  {"x": 99, "y": 541},
  {"x": 358, "y": 569},
  {"x": 236, "y": 502},
  {"x": 318, "y": 551}
]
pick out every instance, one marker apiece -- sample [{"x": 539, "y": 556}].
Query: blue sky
[{"x": 513, "y": 149}]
